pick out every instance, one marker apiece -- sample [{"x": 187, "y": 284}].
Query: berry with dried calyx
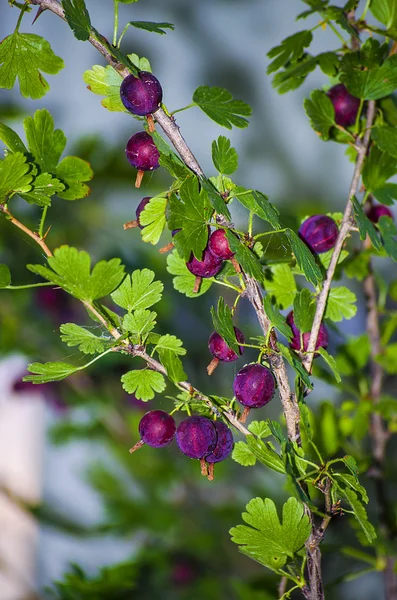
[
  {"x": 141, "y": 95},
  {"x": 301, "y": 345},
  {"x": 377, "y": 211},
  {"x": 319, "y": 233},
  {"x": 253, "y": 387},
  {"x": 156, "y": 428},
  {"x": 136, "y": 222},
  {"x": 223, "y": 448},
  {"x": 345, "y": 105},
  {"x": 221, "y": 351},
  {"x": 208, "y": 266},
  {"x": 142, "y": 154},
  {"x": 196, "y": 437},
  {"x": 219, "y": 246}
]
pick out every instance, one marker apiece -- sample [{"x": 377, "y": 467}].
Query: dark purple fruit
[
  {"x": 141, "y": 95},
  {"x": 208, "y": 266},
  {"x": 224, "y": 444},
  {"x": 254, "y": 385},
  {"x": 157, "y": 428},
  {"x": 377, "y": 211},
  {"x": 319, "y": 232},
  {"x": 196, "y": 437},
  {"x": 220, "y": 350},
  {"x": 219, "y": 245},
  {"x": 140, "y": 208},
  {"x": 295, "y": 343},
  {"x": 345, "y": 105},
  {"x": 142, "y": 152}
]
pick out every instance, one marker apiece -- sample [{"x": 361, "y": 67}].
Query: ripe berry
[
  {"x": 295, "y": 343},
  {"x": 345, "y": 105},
  {"x": 377, "y": 211},
  {"x": 224, "y": 444},
  {"x": 156, "y": 428},
  {"x": 219, "y": 245},
  {"x": 142, "y": 154},
  {"x": 208, "y": 266},
  {"x": 254, "y": 386},
  {"x": 196, "y": 437},
  {"x": 319, "y": 232},
  {"x": 141, "y": 95},
  {"x": 220, "y": 350}
]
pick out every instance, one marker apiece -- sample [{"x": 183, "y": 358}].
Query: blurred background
[{"x": 64, "y": 447}]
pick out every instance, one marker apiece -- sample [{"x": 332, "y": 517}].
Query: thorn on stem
[{"x": 40, "y": 10}]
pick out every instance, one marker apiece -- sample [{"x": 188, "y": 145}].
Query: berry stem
[
  {"x": 136, "y": 447},
  {"x": 244, "y": 414},
  {"x": 197, "y": 284},
  {"x": 211, "y": 469},
  {"x": 116, "y": 22},
  {"x": 203, "y": 467},
  {"x": 166, "y": 248},
  {"x": 139, "y": 177},
  {"x": 235, "y": 264},
  {"x": 212, "y": 366},
  {"x": 150, "y": 122},
  {"x": 130, "y": 224}
]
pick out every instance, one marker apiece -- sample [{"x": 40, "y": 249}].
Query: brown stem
[
  {"x": 32, "y": 234},
  {"x": 343, "y": 233}
]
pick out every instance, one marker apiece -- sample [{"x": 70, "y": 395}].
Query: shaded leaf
[
  {"x": 78, "y": 19},
  {"x": 220, "y": 106}
]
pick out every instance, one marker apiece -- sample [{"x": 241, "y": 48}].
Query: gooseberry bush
[{"x": 329, "y": 458}]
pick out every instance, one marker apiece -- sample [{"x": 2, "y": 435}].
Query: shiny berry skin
[
  {"x": 144, "y": 202},
  {"x": 295, "y": 343},
  {"x": 219, "y": 245},
  {"x": 254, "y": 386},
  {"x": 345, "y": 105},
  {"x": 141, "y": 95},
  {"x": 196, "y": 437},
  {"x": 220, "y": 350},
  {"x": 224, "y": 443},
  {"x": 208, "y": 266},
  {"x": 142, "y": 152},
  {"x": 157, "y": 428},
  {"x": 377, "y": 211},
  {"x": 319, "y": 232}
]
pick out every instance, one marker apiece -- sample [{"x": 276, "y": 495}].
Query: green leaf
[
  {"x": 388, "y": 232},
  {"x": 105, "y": 81},
  {"x": 191, "y": 213},
  {"x": 260, "y": 428},
  {"x": 268, "y": 541},
  {"x": 295, "y": 74},
  {"x": 296, "y": 365},
  {"x": 304, "y": 258},
  {"x": 219, "y": 105},
  {"x": 386, "y": 194},
  {"x": 224, "y": 157},
  {"x": 354, "y": 355},
  {"x": 280, "y": 283},
  {"x": 388, "y": 359},
  {"x": 328, "y": 63},
  {"x": 5, "y": 276},
  {"x": 141, "y": 321},
  {"x": 151, "y": 26},
  {"x": 43, "y": 187},
  {"x": 378, "y": 167},
  {"x": 265, "y": 453},
  {"x": 385, "y": 11},
  {"x": 340, "y": 304},
  {"x": 70, "y": 269},
  {"x": 352, "y": 482},
  {"x": 184, "y": 281},
  {"x": 73, "y": 171},
  {"x": 276, "y": 318},
  {"x": 138, "y": 291},
  {"x": 143, "y": 383},
  {"x": 290, "y": 50},
  {"x": 364, "y": 77},
  {"x": 15, "y": 176},
  {"x": 215, "y": 197},
  {"x": 257, "y": 203},
  {"x": 385, "y": 137},
  {"x": 359, "y": 512},
  {"x": 364, "y": 225},
  {"x": 88, "y": 343},
  {"x": 78, "y": 19},
  {"x": 245, "y": 257},
  {"x": 12, "y": 140},
  {"x": 51, "y": 371},
  {"x": 304, "y": 310},
  {"x": 223, "y": 324},
  {"x": 321, "y": 113},
  {"x": 153, "y": 220},
  {"x": 243, "y": 455},
  {"x": 173, "y": 364},
  {"x": 329, "y": 430},
  {"x": 171, "y": 343},
  {"x": 24, "y": 55},
  {"x": 45, "y": 143},
  {"x": 331, "y": 362}
]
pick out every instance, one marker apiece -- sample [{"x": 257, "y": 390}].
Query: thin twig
[
  {"x": 32, "y": 234},
  {"x": 343, "y": 233}
]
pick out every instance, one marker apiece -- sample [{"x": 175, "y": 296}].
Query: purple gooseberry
[
  {"x": 157, "y": 428},
  {"x": 377, "y": 211},
  {"x": 208, "y": 266},
  {"x": 141, "y": 95},
  {"x": 319, "y": 232},
  {"x": 295, "y": 343},
  {"x": 196, "y": 437},
  {"x": 142, "y": 154},
  {"x": 219, "y": 244},
  {"x": 220, "y": 350},
  {"x": 224, "y": 444},
  {"x": 345, "y": 105},
  {"x": 254, "y": 385}
]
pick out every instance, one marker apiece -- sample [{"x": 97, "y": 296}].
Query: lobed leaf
[
  {"x": 224, "y": 157},
  {"x": 340, "y": 304},
  {"x": 87, "y": 342},
  {"x": 223, "y": 324},
  {"x": 173, "y": 364},
  {"x": 257, "y": 203},
  {"x": 138, "y": 291},
  {"x": 15, "y": 176},
  {"x": 220, "y": 106},
  {"x": 153, "y": 220},
  {"x": 51, "y": 371},
  {"x": 304, "y": 310},
  {"x": 276, "y": 318},
  {"x": 280, "y": 283},
  {"x": 321, "y": 113},
  {"x": 143, "y": 383},
  {"x": 78, "y": 18}
]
